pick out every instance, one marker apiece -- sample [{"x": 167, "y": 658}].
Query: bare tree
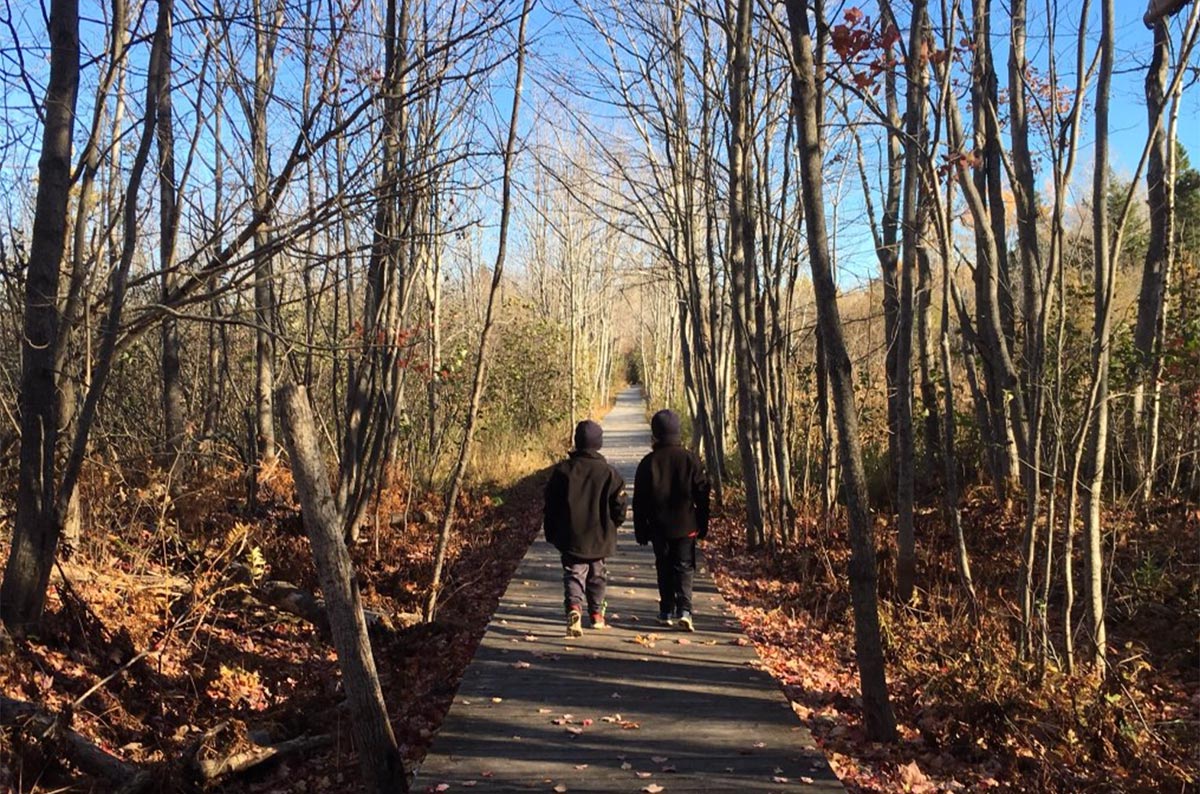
[
  {"x": 877, "y": 708},
  {"x": 477, "y": 383}
]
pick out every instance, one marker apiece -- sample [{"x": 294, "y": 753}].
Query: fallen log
[
  {"x": 286, "y": 597},
  {"x": 245, "y": 760},
  {"x": 146, "y": 582},
  {"x": 32, "y": 720}
]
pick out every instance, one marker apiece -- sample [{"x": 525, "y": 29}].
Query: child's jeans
[
  {"x": 675, "y": 562},
  {"x": 584, "y": 581}
]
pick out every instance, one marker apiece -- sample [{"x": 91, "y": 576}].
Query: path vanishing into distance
[{"x": 635, "y": 708}]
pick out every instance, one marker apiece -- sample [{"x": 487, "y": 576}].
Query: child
[
  {"x": 585, "y": 503},
  {"x": 670, "y": 510}
]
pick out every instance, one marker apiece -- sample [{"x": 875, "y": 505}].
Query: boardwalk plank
[{"x": 691, "y": 712}]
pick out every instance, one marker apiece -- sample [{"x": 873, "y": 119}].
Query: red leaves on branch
[{"x": 866, "y": 51}]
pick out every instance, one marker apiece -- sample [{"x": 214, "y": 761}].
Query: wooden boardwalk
[{"x": 635, "y": 708}]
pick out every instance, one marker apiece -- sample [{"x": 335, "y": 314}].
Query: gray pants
[{"x": 584, "y": 581}]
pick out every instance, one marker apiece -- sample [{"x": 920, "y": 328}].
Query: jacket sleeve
[
  {"x": 641, "y": 503},
  {"x": 555, "y": 496},
  {"x": 618, "y": 502},
  {"x": 700, "y": 498}
]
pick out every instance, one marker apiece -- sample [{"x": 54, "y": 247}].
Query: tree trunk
[
  {"x": 914, "y": 134},
  {"x": 173, "y": 406},
  {"x": 741, "y": 266},
  {"x": 1158, "y": 252},
  {"x": 1025, "y": 200},
  {"x": 36, "y": 529},
  {"x": 382, "y": 766},
  {"x": 266, "y": 31},
  {"x": 877, "y": 709},
  {"x": 1101, "y": 332}
]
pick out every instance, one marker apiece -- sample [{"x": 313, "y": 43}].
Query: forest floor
[
  {"x": 971, "y": 716},
  {"x": 187, "y": 659},
  {"x": 206, "y": 655}
]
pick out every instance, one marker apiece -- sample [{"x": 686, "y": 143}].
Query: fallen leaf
[
  {"x": 560, "y": 788},
  {"x": 581, "y": 766},
  {"x": 521, "y": 665},
  {"x": 806, "y": 780},
  {"x": 653, "y": 788},
  {"x": 779, "y": 779},
  {"x": 497, "y": 700},
  {"x": 914, "y": 779},
  {"x": 659, "y": 759},
  {"x": 626, "y": 765},
  {"x": 644, "y": 775},
  {"x": 442, "y": 787},
  {"x": 574, "y": 730}
]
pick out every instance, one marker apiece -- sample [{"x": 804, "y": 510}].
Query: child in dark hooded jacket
[
  {"x": 670, "y": 510},
  {"x": 585, "y": 503}
]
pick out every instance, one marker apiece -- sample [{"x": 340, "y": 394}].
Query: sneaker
[
  {"x": 685, "y": 621},
  {"x": 574, "y": 623},
  {"x": 598, "y": 621},
  {"x": 666, "y": 619}
]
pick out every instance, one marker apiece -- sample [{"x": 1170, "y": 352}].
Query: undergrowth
[{"x": 972, "y": 714}]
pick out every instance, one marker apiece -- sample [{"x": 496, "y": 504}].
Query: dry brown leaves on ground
[
  {"x": 207, "y": 655},
  {"x": 971, "y": 717}
]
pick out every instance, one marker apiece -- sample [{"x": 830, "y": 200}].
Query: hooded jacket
[
  {"x": 670, "y": 494},
  {"x": 585, "y": 503}
]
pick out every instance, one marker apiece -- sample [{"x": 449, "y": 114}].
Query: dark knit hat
[
  {"x": 589, "y": 436},
  {"x": 665, "y": 427}
]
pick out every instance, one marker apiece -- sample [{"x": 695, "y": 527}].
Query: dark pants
[
  {"x": 584, "y": 581},
  {"x": 675, "y": 562}
]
